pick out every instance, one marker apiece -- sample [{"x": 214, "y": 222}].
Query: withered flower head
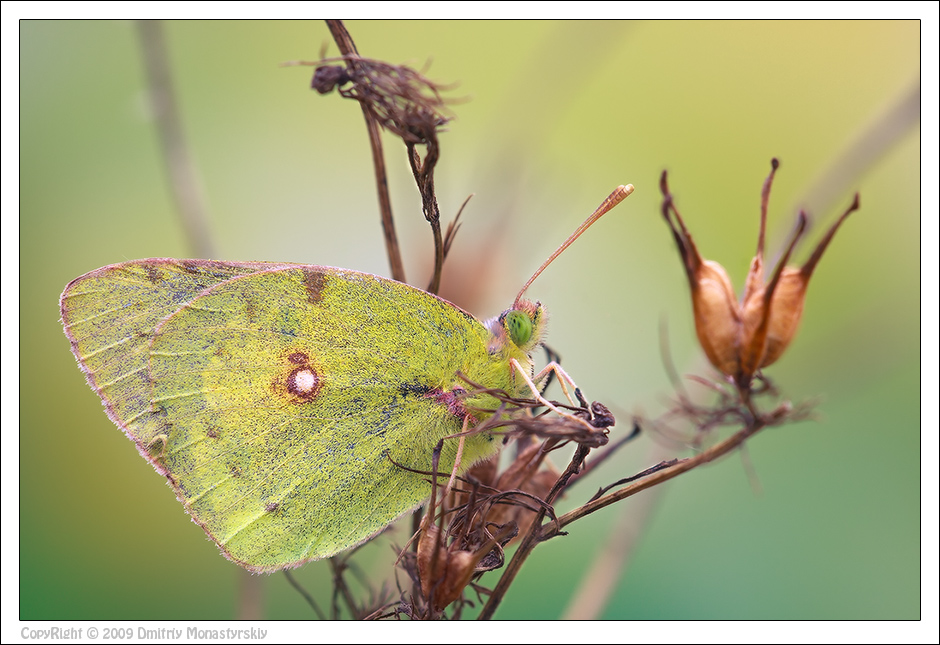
[
  {"x": 740, "y": 338},
  {"x": 402, "y": 99}
]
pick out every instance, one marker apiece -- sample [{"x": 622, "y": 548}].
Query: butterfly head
[{"x": 519, "y": 330}]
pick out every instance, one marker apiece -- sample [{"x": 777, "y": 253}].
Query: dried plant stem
[
  {"x": 341, "y": 589},
  {"x": 599, "y": 583},
  {"x": 348, "y": 49},
  {"x": 423, "y": 172},
  {"x": 181, "y": 172},
  {"x": 683, "y": 465},
  {"x": 533, "y": 536},
  {"x": 540, "y": 533}
]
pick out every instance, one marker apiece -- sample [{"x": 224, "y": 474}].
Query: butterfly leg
[
  {"x": 429, "y": 515},
  {"x": 562, "y": 377},
  {"x": 456, "y": 468}
]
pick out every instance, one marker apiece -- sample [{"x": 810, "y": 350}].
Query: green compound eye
[{"x": 519, "y": 326}]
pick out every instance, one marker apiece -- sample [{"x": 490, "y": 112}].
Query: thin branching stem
[
  {"x": 659, "y": 476},
  {"x": 348, "y": 49},
  {"x": 423, "y": 171},
  {"x": 341, "y": 589}
]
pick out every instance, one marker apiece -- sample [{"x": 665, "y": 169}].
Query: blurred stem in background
[{"x": 181, "y": 174}]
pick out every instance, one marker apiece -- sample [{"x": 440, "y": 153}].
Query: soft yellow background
[{"x": 558, "y": 114}]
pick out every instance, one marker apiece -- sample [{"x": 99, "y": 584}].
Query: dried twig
[
  {"x": 348, "y": 48},
  {"x": 405, "y": 103}
]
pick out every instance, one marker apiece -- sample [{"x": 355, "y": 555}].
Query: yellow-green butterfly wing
[{"x": 285, "y": 403}]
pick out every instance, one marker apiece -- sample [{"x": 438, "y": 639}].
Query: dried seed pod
[
  {"x": 445, "y": 570},
  {"x": 443, "y": 577},
  {"x": 740, "y": 338}
]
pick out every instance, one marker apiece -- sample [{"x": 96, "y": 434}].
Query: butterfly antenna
[{"x": 612, "y": 200}]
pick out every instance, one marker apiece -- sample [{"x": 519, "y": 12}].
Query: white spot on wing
[{"x": 305, "y": 381}]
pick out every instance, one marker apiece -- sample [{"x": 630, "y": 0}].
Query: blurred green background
[{"x": 557, "y": 114}]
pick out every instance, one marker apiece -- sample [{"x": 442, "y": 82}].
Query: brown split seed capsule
[{"x": 740, "y": 338}]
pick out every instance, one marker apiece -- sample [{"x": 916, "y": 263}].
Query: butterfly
[{"x": 293, "y": 408}]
